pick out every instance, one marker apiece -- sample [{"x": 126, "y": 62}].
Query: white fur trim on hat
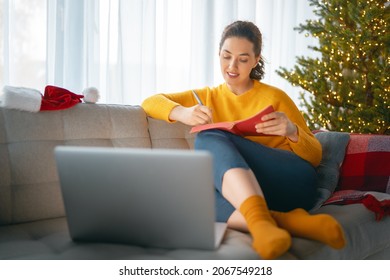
[
  {"x": 21, "y": 98},
  {"x": 91, "y": 95}
]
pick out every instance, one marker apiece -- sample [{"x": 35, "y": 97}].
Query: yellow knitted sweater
[{"x": 227, "y": 106}]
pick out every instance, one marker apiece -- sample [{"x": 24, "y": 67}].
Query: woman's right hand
[{"x": 195, "y": 115}]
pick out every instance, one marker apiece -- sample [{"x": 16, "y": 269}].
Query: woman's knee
[{"x": 207, "y": 136}]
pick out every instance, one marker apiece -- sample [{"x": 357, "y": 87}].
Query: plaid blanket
[
  {"x": 366, "y": 164},
  {"x": 365, "y": 174},
  {"x": 377, "y": 202}
]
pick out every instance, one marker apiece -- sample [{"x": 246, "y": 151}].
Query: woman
[{"x": 263, "y": 183}]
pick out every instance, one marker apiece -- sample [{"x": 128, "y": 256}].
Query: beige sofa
[{"x": 32, "y": 217}]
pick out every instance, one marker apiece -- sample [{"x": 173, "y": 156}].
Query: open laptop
[{"x": 146, "y": 197}]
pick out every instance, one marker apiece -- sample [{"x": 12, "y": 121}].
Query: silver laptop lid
[{"x": 157, "y": 198}]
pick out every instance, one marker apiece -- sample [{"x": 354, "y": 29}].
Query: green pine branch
[{"x": 347, "y": 87}]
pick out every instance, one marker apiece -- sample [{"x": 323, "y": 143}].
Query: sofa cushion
[
  {"x": 365, "y": 236},
  {"x": 29, "y": 187},
  {"x": 170, "y": 135},
  {"x": 366, "y": 166},
  {"x": 333, "y": 151},
  {"x": 50, "y": 239}
]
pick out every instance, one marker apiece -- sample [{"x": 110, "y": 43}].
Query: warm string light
[{"x": 342, "y": 79}]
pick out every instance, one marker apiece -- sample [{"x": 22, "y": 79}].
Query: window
[{"x": 132, "y": 49}]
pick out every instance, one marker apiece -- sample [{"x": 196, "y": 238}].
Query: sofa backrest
[
  {"x": 165, "y": 135},
  {"x": 29, "y": 187}
]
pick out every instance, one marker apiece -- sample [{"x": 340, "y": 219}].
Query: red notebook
[{"x": 244, "y": 127}]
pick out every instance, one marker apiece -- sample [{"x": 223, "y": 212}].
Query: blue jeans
[{"x": 287, "y": 181}]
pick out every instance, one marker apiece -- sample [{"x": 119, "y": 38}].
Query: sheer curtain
[
  {"x": 132, "y": 49},
  {"x": 22, "y": 42}
]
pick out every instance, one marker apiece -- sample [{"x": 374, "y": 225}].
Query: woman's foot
[
  {"x": 269, "y": 241},
  {"x": 320, "y": 227}
]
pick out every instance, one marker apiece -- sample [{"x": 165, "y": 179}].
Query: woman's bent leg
[
  {"x": 239, "y": 186},
  {"x": 286, "y": 181}
]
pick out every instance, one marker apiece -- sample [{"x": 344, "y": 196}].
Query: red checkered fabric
[
  {"x": 366, "y": 166},
  {"x": 377, "y": 202}
]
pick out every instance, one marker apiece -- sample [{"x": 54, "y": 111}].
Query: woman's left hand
[{"x": 277, "y": 123}]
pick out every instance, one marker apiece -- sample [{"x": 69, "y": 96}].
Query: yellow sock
[
  {"x": 269, "y": 241},
  {"x": 320, "y": 227}
]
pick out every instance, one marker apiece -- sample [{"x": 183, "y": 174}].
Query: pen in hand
[
  {"x": 197, "y": 97},
  {"x": 200, "y": 103}
]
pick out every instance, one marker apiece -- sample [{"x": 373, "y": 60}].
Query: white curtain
[
  {"x": 132, "y": 49},
  {"x": 22, "y": 42}
]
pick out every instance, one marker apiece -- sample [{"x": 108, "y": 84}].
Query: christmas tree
[{"x": 346, "y": 88}]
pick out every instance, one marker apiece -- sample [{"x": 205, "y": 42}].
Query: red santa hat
[{"x": 28, "y": 99}]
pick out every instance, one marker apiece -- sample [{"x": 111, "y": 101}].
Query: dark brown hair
[{"x": 249, "y": 31}]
